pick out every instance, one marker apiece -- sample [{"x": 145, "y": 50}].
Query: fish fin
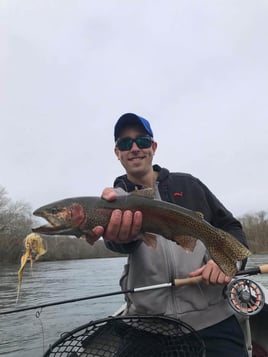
[
  {"x": 188, "y": 243},
  {"x": 145, "y": 192},
  {"x": 90, "y": 238},
  {"x": 200, "y": 214},
  {"x": 149, "y": 239}
]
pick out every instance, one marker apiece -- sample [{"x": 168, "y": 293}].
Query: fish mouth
[
  {"x": 47, "y": 228},
  {"x": 53, "y": 224},
  {"x": 60, "y": 230}
]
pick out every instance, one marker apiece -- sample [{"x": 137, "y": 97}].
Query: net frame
[{"x": 130, "y": 336}]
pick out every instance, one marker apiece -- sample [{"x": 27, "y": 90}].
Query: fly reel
[{"x": 245, "y": 296}]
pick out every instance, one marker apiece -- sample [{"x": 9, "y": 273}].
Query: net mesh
[{"x": 131, "y": 336}]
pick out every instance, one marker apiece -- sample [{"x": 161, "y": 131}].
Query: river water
[{"x": 25, "y": 334}]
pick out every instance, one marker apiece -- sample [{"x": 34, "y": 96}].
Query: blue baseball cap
[{"x": 129, "y": 119}]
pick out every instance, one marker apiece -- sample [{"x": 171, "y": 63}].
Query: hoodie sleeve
[{"x": 125, "y": 248}]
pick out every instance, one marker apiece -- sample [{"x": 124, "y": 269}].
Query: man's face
[{"x": 136, "y": 161}]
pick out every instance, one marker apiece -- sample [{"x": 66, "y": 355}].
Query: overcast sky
[{"x": 197, "y": 70}]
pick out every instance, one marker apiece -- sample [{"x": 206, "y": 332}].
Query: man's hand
[
  {"x": 211, "y": 274},
  {"x": 123, "y": 226}
]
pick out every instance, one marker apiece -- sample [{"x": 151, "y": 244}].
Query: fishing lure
[{"x": 34, "y": 249}]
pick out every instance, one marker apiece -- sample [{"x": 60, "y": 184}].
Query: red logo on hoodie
[{"x": 178, "y": 194}]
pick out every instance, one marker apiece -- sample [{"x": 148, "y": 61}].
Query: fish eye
[{"x": 54, "y": 210}]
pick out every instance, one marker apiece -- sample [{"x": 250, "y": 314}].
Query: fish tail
[
  {"x": 229, "y": 253},
  {"x": 226, "y": 263},
  {"x": 234, "y": 248}
]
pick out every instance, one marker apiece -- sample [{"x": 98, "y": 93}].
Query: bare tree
[
  {"x": 15, "y": 224},
  {"x": 256, "y": 229}
]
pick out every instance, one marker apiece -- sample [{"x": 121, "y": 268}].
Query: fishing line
[
  {"x": 37, "y": 315},
  {"x": 262, "y": 269}
]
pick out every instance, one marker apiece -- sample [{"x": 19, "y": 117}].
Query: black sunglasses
[{"x": 143, "y": 142}]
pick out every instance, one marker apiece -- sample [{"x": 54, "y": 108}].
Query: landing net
[{"x": 131, "y": 336}]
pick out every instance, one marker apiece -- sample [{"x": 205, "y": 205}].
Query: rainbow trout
[{"x": 77, "y": 216}]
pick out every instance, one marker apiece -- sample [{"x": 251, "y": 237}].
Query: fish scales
[
  {"x": 172, "y": 226},
  {"x": 77, "y": 216}
]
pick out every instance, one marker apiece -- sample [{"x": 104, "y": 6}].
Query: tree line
[{"x": 16, "y": 221}]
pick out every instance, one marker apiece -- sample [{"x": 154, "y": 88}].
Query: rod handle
[
  {"x": 263, "y": 268},
  {"x": 188, "y": 281}
]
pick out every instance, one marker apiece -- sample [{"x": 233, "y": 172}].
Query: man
[{"x": 203, "y": 305}]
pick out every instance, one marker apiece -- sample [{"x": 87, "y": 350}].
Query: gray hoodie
[{"x": 198, "y": 305}]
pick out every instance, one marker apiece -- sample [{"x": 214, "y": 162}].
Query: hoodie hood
[{"x": 127, "y": 185}]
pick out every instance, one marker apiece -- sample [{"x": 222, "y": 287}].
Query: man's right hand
[{"x": 123, "y": 226}]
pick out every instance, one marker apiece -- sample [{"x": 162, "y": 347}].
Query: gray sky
[{"x": 197, "y": 70}]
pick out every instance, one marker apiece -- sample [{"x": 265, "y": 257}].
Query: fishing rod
[{"x": 262, "y": 269}]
